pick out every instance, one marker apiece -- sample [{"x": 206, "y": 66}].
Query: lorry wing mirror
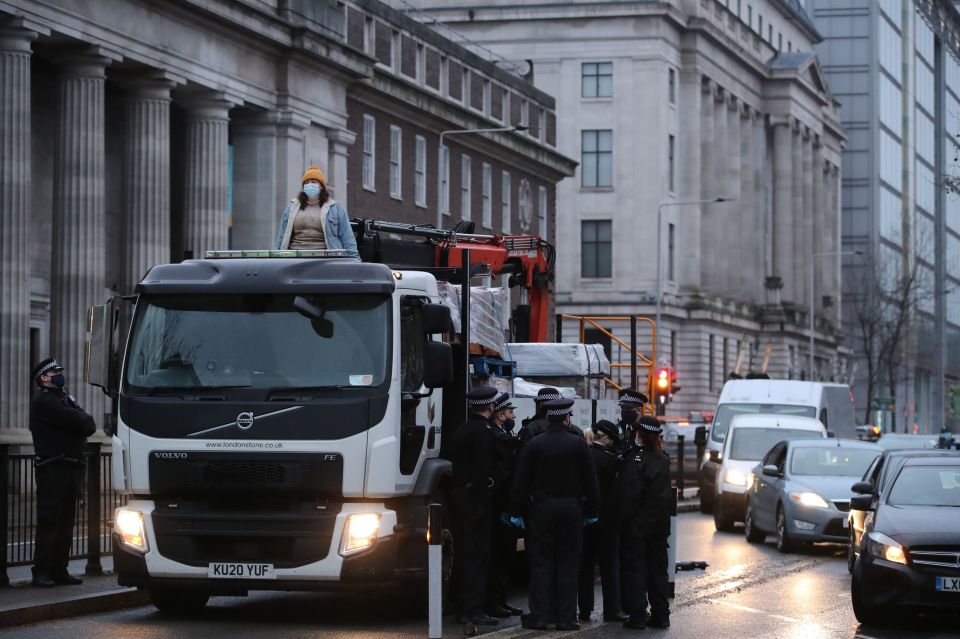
[
  {"x": 435, "y": 318},
  {"x": 862, "y": 488},
  {"x": 700, "y": 436},
  {"x": 98, "y": 353},
  {"x": 437, "y": 364}
]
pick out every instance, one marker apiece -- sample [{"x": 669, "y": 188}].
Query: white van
[
  {"x": 832, "y": 404},
  {"x": 748, "y": 440}
]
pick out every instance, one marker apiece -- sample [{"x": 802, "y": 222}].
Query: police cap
[
  {"x": 502, "y": 402},
  {"x": 632, "y": 398},
  {"x": 547, "y": 394},
  {"x": 557, "y": 409},
  {"x": 481, "y": 396},
  {"x": 649, "y": 424},
  {"x": 47, "y": 365}
]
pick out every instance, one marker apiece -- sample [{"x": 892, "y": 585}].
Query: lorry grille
[{"x": 193, "y": 534}]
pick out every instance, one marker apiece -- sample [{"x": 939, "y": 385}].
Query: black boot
[
  {"x": 41, "y": 579},
  {"x": 66, "y": 579},
  {"x": 659, "y": 621}
]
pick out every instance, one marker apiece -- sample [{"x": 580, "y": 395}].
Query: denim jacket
[{"x": 336, "y": 227}]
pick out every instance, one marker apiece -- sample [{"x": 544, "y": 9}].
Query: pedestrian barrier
[
  {"x": 94, "y": 514},
  {"x": 435, "y": 570},
  {"x": 685, "y": 466}
]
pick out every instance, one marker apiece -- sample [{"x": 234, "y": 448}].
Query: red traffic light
[{"x": 663, "y": 379}]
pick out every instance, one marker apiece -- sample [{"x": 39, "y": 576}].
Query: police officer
[
  {"x": 59, "y": 428},
  {"x": 600, "y": 542},
  {"x": 503, "y": 535},
  {"x": 643, "y": 489},
  {"x": 536, "y": 425},
  {"x": 475, "y": 478},
  {"x": 631, "y": 406},
  {"x": 556, "y": 491}
]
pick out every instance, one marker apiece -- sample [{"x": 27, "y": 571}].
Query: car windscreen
[
  {"x": 751, "y": 444},
  {"x": 258, "y": 341},
  {"x": 726, "y": 413},
  {"x": 833, "y": 461},
  {"x": 926, "y": 486}
]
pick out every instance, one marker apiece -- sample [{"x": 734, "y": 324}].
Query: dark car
[
  {"x": 875, "y": 480},
  {"x": 903, "y": 441},
  {"x": 910, "y": 553}
]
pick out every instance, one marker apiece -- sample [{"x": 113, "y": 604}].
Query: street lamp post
[
  {"x": 659, "y": 242},
  {"x": 813, "y": 297},
  {"x": 441, "y": 163}
]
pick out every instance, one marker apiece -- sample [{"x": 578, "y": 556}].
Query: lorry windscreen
[
  {"x": 726, "y": 413},
  {"x": 258, "y": 341}
]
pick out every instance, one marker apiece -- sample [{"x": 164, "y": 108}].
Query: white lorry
[{"x": 276, "y": 426}]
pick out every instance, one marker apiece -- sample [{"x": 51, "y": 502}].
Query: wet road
[{"x": 749, "y": 591}]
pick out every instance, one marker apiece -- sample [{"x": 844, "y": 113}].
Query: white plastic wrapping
[
  {"x": 487, "y": 314},
  {"x": 550, "y": 359}
]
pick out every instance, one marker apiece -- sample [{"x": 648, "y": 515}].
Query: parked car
[
  {"x": 875, "y": 481},
  {"x": 746, "y": 443},
  {"x": 801, "y": 491},
  {"x": 902, "y": 441},
  {"x": 832, "y": 404},
  {"x": 910, "y": 554}
]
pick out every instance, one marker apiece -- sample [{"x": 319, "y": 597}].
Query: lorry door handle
[{"x": 432, "y": 437}]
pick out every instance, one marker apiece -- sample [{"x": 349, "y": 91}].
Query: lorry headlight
[
  {"x": 812, "y": 500},
  {"x": 735, "y": 477},
  {"x": 360, "y": 532},
  {"x": 129, "y": 526},
  {"x": 884, "y": 547}
]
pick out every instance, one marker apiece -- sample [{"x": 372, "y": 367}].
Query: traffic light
[{"x": 661, "y": 390}]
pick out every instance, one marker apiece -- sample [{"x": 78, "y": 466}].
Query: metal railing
[{"x": 93, "y": 521}]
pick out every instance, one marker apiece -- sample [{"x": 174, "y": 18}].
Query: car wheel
[
  {"x": 784, "y": 543},
  {"x": 178, "y": 602},
  {"x": 706, "y": 502},
  {"x": 722, "y": 521},
  {"x": 753, "y": 534},
  {"x": 865, "y": 614}
]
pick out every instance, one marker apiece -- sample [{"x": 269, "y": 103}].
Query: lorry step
[{"x": 493, "y": 366}]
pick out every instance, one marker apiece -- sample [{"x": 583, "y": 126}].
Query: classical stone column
[
  {"x": 77, "y": 280},
  {"x": 730, "y": 214},
  {"x": 820, "y": 233},
  {"x": 14, "y": 221},
  {"x": 809, "y": 212},
  {"x": 146, "y": 178},
  {"x": 339, "y": 140},
  {"x": 745, "y": 219},
  {"x": 290, "y": 163},
  {"x": 832, "y": 197},
  {"x": 690, "y": 173},
  {"x": 782, "y": 214},
  {"x": 713, "y": 127},
  {"x": 255, "y": 209},
  {"x": 205, "y": 179},
  {"x": 800, "y": 250}
]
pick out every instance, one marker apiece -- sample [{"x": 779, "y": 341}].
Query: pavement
[{"x": 22, "y": 604}]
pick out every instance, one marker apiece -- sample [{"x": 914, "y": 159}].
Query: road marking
[{"x": 753, "y": 610}]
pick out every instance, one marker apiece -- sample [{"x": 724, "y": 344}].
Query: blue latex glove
[
  {"x": 589, "y": 521},
  {"x": 518, "y": 522}
]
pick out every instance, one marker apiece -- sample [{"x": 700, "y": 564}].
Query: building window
[
  {"x": 542, "y": 210},
  {"x": 445, "y": 180},
  {"x": 505, "y": 105},
  {"x": 369, "y": 35},
  {"x": 369, "y": 153},
  {"x": 671, "y": 251},
  {"x": 673, "y": 350},
  {"x": 779, "y": 42},
  {"x": 711, "y": 364},
  {"x": 596, "y": 158},
  {"x": 760, "y": 25},
  {"x": 486, "y": 196},
  {"x": 466, "y": 173},
  {"x": 596, "y": 248},
  {"x": 750, "y": 16},
  {"x": 506, "y": 189},
  {"x": 672, "y": 85},
  {"x": 671, "y": 165},
  {"x": 420, "y": 172},
  {"x": 770, "y": 34},
  {"x": 723, "y": 371},
  {"x": 465, "y": 83},
  {"x": 596, "y": 80},
  {"x": 396, "y": 150}
]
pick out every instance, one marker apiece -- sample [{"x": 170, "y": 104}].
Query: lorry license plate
[
  {"x": 948, "y": 584},
  {"x": 229, "y": 570}
]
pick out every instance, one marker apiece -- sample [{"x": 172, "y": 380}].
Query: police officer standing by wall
[
  {"x": 643, "y": 498},
  {"x": 555, "y": 490},
  {"x": 601, "y": 542},
  {"x": 474, "y": 481},
  {"x": 503, "y": 535},
  {"x": 59, "y": 428}
]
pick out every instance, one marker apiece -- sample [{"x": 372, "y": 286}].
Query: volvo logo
[
  {"x": 170, "y": 455},
  {"x": 245, "y": 421}
]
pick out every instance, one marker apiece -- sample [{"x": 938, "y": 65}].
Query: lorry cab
[{"x": 832, "y": 404}]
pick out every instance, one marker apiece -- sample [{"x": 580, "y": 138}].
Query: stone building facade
[
  {"x": 133, "y": 132},
  {"x": 675, "y": 102}
]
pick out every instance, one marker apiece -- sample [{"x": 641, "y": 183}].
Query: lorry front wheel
[{"x": 172, "y": 601}]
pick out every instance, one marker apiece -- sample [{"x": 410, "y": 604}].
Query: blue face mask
[
  {"x": 312, "y": 191},
  {"x": 58, "y": 380}
]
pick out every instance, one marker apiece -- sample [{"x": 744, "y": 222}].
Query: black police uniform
[
  {"x": 601, "y": 542},
  {"x": 555, "y": 488},
  {"x": 473, "y": 483},
  {"x": 643, "y": 498},
  {"x": 59, "y": 428},
  {"x": 503, "y": 535}
]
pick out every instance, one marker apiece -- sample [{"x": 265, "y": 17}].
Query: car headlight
[
  {"x": 812, "y": 500},
  {"x": 736, "y": 477},
  {"x": 360, "y": 532},
  {"x": 130, "y": 529},
  {"x": 883, "y": 547}
]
